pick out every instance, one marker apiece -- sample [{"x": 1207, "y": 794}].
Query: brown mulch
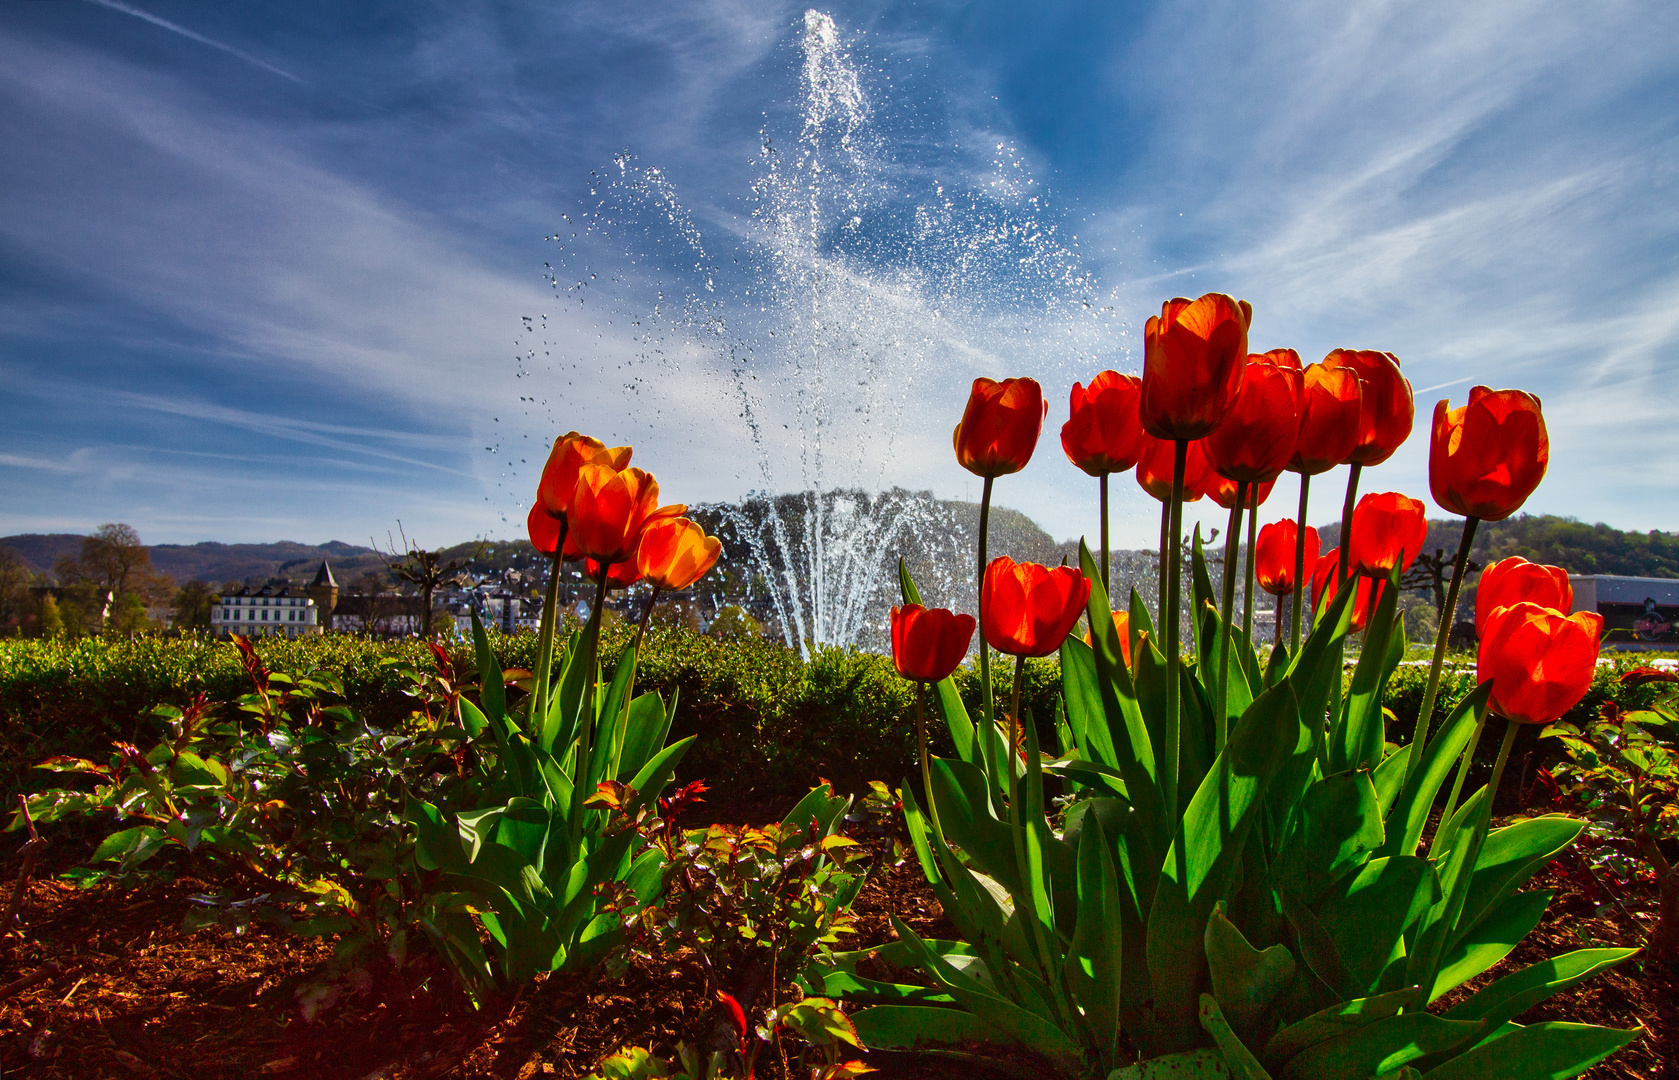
[{"x": 139, "y": 997}]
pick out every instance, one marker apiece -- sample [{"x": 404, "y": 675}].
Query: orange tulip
[
  {"x": 607, "y": 511},
  {"x": 1386, "y": 410},
  {"x": 1329, "y": 419},
  {"x": 1486, "y": 458},
  {"x": 1029, "y": 609},
  {"x": 1122, "y": 625},
  {"x": 1223, "y": 492},
  {"x": 928, "y": 644},
  {"x": 1193, "y": 355},
  {"x": 1326, "y": 582},
  {"x": 1387, "y": 527},
  {"x": 1273, "y": 555},
  {"x": 1514, "y": 580},
  {"x": 1256, "y": 440},
  {"x": 1000, "y": 426},
  {"x": 570, "y": 453},
  {"x": 675, "y": 552},
  {"x": 1154, "y": 470},
  {"x": 1540, "y": 661},
  {"x": 1103, "y": 433}
]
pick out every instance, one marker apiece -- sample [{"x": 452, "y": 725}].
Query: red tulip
[
  {"x": 1486, "y": 458},
  {"x": 1514, "y": 580},
  {"x": 1387, "y": 527},
  {"x": 544, "y": 529},
  {"x": 1154, "y": 470},
  {"x": 928, "y": 644},
  {"x": 607, "y": 512},
  {"x": 1386, "y": 410},
  {"x": 1029, "y": 609},
  {"x": 1273, "y": 555},
  {"x": 1000, "y": 426},
  {"x": 1256, "y": 440},
  {"x": 1326, "y": 582},
  {"x": 675, "y": 552},
  {"x": 1224, "y": 492},
  {"x": 1103, "y": 433},
  {"x": 620, "y": 575},
  {"x": 1540, "y": 661},
  {"x": 570, "y": 453},
  {"x": 1193, "y": 356},
  {"x": 1122, "y": 626},
  {"x": 1329, "y": 420}
]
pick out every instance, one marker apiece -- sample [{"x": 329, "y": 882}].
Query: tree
[
  {"x": 15, "y": 600},
  {"x": 378, "y": 606},
  {"x": 426, "y": 570},
  {"x": 51, "y": 624},
  {"x": 114, "y": 574},
  {"x": 192, "y": 605}
]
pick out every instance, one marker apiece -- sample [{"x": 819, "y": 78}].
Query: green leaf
[
  {"x": 1094, "y": 964},
  {"x": 1356, "y": 740},
  {"x": 1204, "y": 1064},
  {"x": 1334, "y": 1022},
  {"x": 492, "y": 690},
  {"x": 1367, "y": 914},
  {"x": 1509, "y": 857},
  {"x": 1492, "y": 940},
  {"x": 1204, "y": 857},
  {"x": 1239, "y": 1058},
  {"x": 645, "y": 731},
  {"x": 130, "y": 846},
  {"x": 1460, "y": 840},
  {"x": 1409, "y": 813},
  {"x": 437, "y": 843},
  {"x": 1518, "y": 992},
  {"x": 1382, "y": 1047},
  {"x": 918, "y": 1027},
  {"x": 1545, "y": 1051},
  {"x": 1245, "y": 980},
  {"x": 1336, "y": 824}
]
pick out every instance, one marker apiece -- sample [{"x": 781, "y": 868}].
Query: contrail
[
  {"x": 114, "y": 5},
  {"x": 1442, "y": 386}
]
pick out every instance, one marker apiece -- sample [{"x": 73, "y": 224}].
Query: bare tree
[
  {"x": 425, "y": 570},
  {"x": 114, "y": 572}
]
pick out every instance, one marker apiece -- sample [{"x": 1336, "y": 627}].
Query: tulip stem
[
  {"x": 545, "y": 637},
  {"x": 1103, "y": 481},
  {"x": 1299, "y": 567},
  {"x": 1221, "y": 723},
  {"x": 1165, "y": 542},
  {"x": 1503, "y": 757},
  {"x": 988, "y": 723},
  {"x": 1426, "y": 715},
  {"x": 926, "y": 766},
  {"x": 1347, "y": 518},
  {"x": 1463, "y": 768},
  {"x": 646, "y": 617},
  {"x": 1174, "y": 661},
  {"x": 1247, "y": 578}
]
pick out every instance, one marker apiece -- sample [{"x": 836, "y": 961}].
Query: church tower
[{"x": 324, "y": 592}]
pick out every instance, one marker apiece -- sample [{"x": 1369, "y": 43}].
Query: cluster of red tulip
[
  {"x": 1207, "y": 418},
  {"x": 591, "y": 505}
]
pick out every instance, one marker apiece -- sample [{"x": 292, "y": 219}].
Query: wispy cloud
[{"x": 193, "y": 35}]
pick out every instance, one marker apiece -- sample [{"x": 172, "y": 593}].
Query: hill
[
  {"x": 210, "y": 561},
  {"x": 1557, "y": 541}
]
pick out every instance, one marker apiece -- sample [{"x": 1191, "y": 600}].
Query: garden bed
[{"x": 139, "y": 997}]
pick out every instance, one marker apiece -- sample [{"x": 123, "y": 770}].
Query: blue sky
[{"x": 265, "y": 270}]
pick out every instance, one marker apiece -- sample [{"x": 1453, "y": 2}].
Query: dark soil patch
[{"x": 139, "y": 997}]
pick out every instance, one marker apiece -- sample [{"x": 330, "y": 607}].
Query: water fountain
[{"x": 843, "y": 315}]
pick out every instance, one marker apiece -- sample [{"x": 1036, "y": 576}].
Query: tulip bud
[
  {"x": 1154, "y": 470},
  {"x": 1329, "y": 419},
  {"x": 675, "y": 552},
  {"x": 1540, "y": 661},
  {"x": 1273, "y": 555},
  {"x": 1000, "y": 426},
  {"x": 1386, "y": 527},
  {"x": 1515, "y": 580},
  {"x": 1103, "y": 433},
  {"x": 1193, "y": 355},
  {"x": 928, "y": 644},
  {"x": 1386, "y": 406},
  {"x": 1256, "y": 440},
  {"x": 1486, "y": 458},
  {"x": 1029, "y": 609}
]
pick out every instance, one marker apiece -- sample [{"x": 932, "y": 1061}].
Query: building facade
[
  {"x": 1638, "y": 613},
  {"x": 270, "y": 610}
]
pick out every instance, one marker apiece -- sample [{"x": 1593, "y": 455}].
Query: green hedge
[{"x": 769, "y": 723}]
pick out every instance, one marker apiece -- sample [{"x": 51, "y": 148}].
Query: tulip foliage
[{"x": 1285, "y": 923}]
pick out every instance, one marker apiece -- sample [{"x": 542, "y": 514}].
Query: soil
[{"x": 137, "y": 996}]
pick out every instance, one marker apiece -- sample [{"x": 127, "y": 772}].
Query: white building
[{"x": 268, "y": 610}]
